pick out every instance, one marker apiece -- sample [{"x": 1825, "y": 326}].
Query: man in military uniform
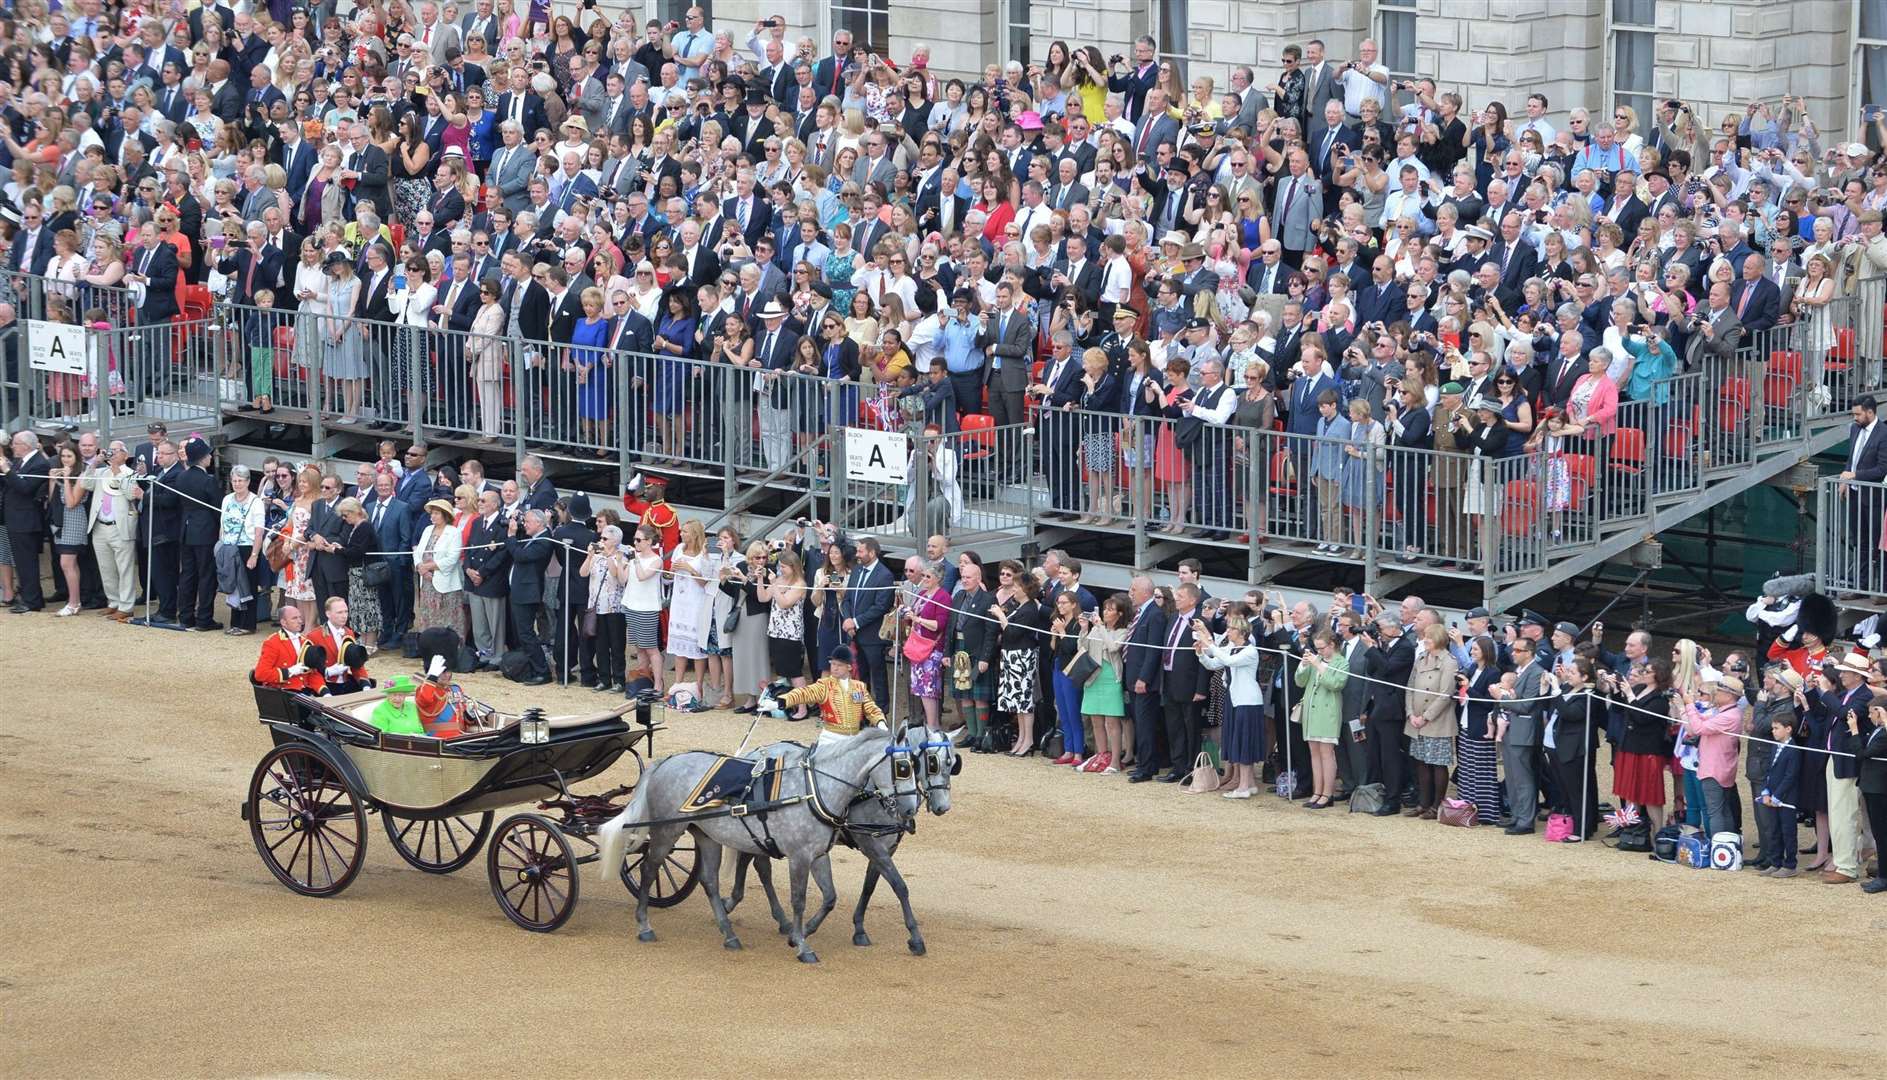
[
  {"x": 653, "y": 510},
  {"x": 845, "y": 703}
]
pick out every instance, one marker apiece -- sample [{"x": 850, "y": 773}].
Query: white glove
[
  {"x": 1791, "y": 634},
  {"x": 635, "y": 483},
  {"x": 334, "y": 670},
  {"x": 298, "y": 669},
  {"x": 437, "y": 668}
]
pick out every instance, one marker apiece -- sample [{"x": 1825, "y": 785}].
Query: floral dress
[
  {"x": 298, "y": 575},
  {"x": 838, "y": 275}
]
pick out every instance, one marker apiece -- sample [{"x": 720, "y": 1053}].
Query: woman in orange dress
[{"x": 1138, "y": 257}]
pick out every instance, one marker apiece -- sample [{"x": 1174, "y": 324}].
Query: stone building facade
[{"x": 1716, "y": 54}]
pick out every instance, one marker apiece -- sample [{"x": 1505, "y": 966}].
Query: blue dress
[
  {"x": 671, "y": 378},
  {"x": 594, "y": 394},
  {"x": 1361, "y": 484}
]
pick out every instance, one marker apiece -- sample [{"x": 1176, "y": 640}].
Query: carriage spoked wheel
[
  {"x": 437, "y": 846},
  {"x": 675, "y": 878},
  {"x": 308, "y": 825},
  {"x": 533, "y": 873}
]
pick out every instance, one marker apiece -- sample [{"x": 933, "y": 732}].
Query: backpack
[
  {"x": 1368, "y": 798},
  {"x": 1633, "y": 838},
  {"x": 515, "y": 665}
]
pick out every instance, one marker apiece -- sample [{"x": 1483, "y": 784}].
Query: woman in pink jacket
[{"x": 1588, "y": 420}]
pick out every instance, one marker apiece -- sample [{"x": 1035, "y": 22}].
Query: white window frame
[
  {"x": 1858, "y": 79},
  {"x": 1644, "y": 102},
  {"x": 829, "y": 17},
  {"x": 1401, "y": 9},
  {"x": 1182, "y": 60},
  {"x": 1008, "y": 29}
]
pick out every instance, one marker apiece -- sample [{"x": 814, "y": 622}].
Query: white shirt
[{"x": 1359, "y": 87}]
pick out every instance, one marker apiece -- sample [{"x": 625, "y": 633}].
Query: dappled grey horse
[
  {"x": 818, "y": 788},
  {"x": 875, "y": 832}
]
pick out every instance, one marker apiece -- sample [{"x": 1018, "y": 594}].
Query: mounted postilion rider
[{"x": 845, "y": 703}]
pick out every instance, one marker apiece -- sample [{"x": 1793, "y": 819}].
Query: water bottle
[{"x": 399, "y": 280}]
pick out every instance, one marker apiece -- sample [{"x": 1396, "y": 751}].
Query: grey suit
[
  {"x": 1299, "y": 203},
  {"x": 593, "y": 103},
  {"x": 882, "y": 173},
  {"x": 511, "y": 170},
  {"x": 1321, "y": 86},
  {"x": 1012, "y": 341},
  {"x": 1721, "y": 344},
  {"x": 1525, "y": 719}
]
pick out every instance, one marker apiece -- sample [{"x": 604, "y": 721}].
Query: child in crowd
[{"x": 1779, "y": 794}]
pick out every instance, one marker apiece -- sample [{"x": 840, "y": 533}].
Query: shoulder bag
[{"x": 1082, "y": 669}]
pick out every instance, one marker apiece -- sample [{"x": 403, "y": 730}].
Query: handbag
[
  {"x": 278, "y": 552},
  {"x": 917, "y": 648},
  {"x": 377, "y": 574},
  {"x": 1368, "y": 798},
  {"x": 1204, "y": 777},
  {"x": 1082, "y": 669},
  {"x": 1559, "y": 828},
  {"x": 1457, "y": 812},
  {"x": 589, "y": 622}
]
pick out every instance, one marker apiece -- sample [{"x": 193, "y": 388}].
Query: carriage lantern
[{"x": 534, "y": 727}]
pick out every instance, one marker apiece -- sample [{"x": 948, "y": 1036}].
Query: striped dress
[{"x": 1477, "y": 772}]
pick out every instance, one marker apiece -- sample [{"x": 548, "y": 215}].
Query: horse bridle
[
  {"x": 902, "y": 768},
  {"x": 929, "y": 752}
]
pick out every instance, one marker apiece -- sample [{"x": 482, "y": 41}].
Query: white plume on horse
[{"x": 620, "y": 831}]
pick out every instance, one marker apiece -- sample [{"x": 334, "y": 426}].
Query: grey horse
[
  {"x": 820, "y": 786},
  {"x": 876, "y": 833}
]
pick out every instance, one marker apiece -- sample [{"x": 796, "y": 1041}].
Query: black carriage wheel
[
  {"x": 674, "y": 879},
  {"x": 437, "y": 846},
  {"x": 533, "y": 873},
  {"x": 308, "y": 825}
]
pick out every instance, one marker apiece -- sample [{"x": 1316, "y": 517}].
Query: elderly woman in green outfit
[
  {"x": 397, "y": 715},
  {"x": 1322, "y": 675}
]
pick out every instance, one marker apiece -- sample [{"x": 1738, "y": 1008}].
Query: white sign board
[
  {"x": 57, "y": 347},
  {"x": 876, "y": 457}
]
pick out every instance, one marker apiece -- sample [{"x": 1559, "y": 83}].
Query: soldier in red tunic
[{"x": 654, "y": 510}]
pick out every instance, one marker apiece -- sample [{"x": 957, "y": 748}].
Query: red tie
[
  {"x": 1743, "y": 304},
  {"x": 249, "y": 276}
]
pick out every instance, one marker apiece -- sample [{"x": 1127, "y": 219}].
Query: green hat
[
  {"x": 1451, "y": 388},
  {"x": 400, "y": 685}
]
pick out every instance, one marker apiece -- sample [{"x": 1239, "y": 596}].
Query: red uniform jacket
[
  {"x": 659, "y": 516},
  {"x": 278, "y": 655},
  {"x": 320, "y": 636}
]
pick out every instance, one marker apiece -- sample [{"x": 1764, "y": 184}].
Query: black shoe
[
  {"x": 1171, "y": 778},
  {"x": 744, "y": 710},
  {"x": 1518, "y": 830},
  {"x": 538, "y": 680},
  {"x": 1139, "y": 777},
  {"x": 19, "y": 609},
  {"x": 1341, "y": 796},
  {"x": 1878, "y": 885},
  {"x": 1385, "y": 811},
  {"x": 209, "y": 626}
]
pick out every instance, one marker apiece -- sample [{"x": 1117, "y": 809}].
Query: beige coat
[
  {"x": 488, "y": 345},
  {"x": 1432, "y": 696}
]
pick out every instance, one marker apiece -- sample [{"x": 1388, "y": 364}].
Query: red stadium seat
[
  {"x": 1582, "y": 471},
  {"x": 1520, "y": 507},
  {"x": 979, "y": 437},
  {"x": 1628, "y": 451},
  {"x": 1283, "y": 482}
]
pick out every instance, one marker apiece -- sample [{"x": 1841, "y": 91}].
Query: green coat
[
  {"x": 397, "y": 719},
  {"x": 1322, "y": 713}
]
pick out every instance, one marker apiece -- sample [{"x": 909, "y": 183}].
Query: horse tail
[{"x": 616, "y": 834}]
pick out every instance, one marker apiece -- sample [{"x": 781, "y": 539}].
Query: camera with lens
[{"x": 1115, "y": 59}]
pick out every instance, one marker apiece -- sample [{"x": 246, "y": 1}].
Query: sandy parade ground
[{"x": 1077, "y": 926}]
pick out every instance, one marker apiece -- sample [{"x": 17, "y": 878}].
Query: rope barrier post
[
  {"x": 150, "y": 547},
  {"x": 1585, "y": 774},
  {"x": 563, "y": 629}
]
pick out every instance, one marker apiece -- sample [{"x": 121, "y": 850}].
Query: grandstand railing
[{"x": 1848, "y": 555}]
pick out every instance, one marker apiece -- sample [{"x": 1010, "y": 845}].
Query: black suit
[
  {"x": 1142, "y": 665},
  {"x": 375, "y": 184},
  {"x": 1762, "y": 308},
  {"x": 1521, "y": 261},
  {"x": 529, "y": 558},
  {"x": 32, "y": 259},
  {"x": 1352, "y": 753},
  {"x": 196, "y": 584},
  {"x": 161, "y": 526},
  {"x": 330, "y": 567},
  {"x": 1388, "y": 713},
  {"x": 22, "y": 504},
  {"x": 1182, "y": 692}
]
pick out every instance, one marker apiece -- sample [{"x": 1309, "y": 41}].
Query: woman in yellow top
[
  {"x": 1321, "y": 675},
  {"x": 1086, "y": 76}
]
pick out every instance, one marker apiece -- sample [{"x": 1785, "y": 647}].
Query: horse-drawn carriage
[{"x": 310, "y": 796}]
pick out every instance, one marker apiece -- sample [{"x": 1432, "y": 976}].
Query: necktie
[
  {"x": 379, "y": 512},
  {"x": 249, "y": 275},
  {"x": 1146, "y": 129},
  {"x": 1290, "y": 192},
  {"x": 766, "y": 352},
  {"x": 1329, "y": 138},
  {"x": 1743, "y": 304},
  {"x": 517, "y": 108},
  {"x": 741, "y": 210}
]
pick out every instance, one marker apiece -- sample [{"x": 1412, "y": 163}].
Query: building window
[
  {"x": 1395, "y": 37},
  {"x": 1169, "y": 19},
  {"x": 868, "y": 21},
  {"x": 673, "y": 10},
  {"x": 1870, "y": 32},
  {"x": 1015, "y": 31},
  {"x": 1634, "y": 48}
]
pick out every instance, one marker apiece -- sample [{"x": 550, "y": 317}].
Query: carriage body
[{"x": 329, "y": 768}]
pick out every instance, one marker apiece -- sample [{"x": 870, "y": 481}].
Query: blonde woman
[
  {"x": 488, "y": 350},
  {"x": 784, "y": 590},
  {"x": 689, "y": 607}
]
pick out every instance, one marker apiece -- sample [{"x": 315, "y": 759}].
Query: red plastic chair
[
  {"x": 979, "y": 437},
  {"x": 1628, "y": 451},
  {"x": 1519, "y": 507},
  {"x": 1283, "y": 482},
  {"x": 1844, "y": 344},
  {"x": 284, "y": 341},
  {"x": 1582, "y": 470}
]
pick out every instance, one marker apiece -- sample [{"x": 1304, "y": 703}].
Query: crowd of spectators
[{"x": 575, "y": 229}]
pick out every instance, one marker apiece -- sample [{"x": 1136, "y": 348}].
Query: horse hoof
[
  {"x": 917, "y": 948},
  {"x": 646, "y": 935},
  {"x": 731, "y": 944},
  {"x": 808, "y": 958},
  {"x": 861, "y": 938}
]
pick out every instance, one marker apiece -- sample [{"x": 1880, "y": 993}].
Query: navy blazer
[
  {"x": 1142, "y": 660},
  {"x": 1785, "y": 774},
  {"x": 529, "y": 556},
  {"x": 868, "y": 597},
  {"x": 397, "y": 529},
  {"x": 485, "y": 553}
]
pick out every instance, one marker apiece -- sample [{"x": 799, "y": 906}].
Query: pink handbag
[
  {"x": 1458, "y": 812},
  {"x": 1559, "y": 828}
]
